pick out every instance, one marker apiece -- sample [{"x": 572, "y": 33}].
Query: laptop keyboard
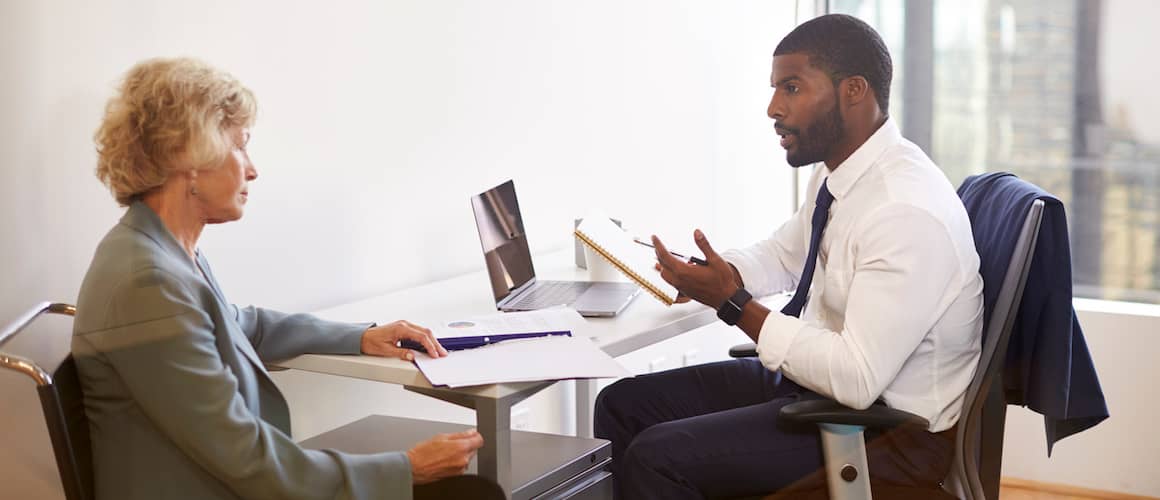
[{"x": 550, "y": 293}]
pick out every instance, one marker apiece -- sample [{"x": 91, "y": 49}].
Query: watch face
[{"x": 730, "y": 311}]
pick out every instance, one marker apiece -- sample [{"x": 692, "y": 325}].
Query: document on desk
[{"x": 523, "y": 360}]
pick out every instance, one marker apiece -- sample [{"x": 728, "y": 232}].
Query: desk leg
[
  {"x": 493, "y": 420},
  {"x": 585, "y": 404}
]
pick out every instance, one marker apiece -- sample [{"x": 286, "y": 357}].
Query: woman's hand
[
  {"x": 384, "y": 341},
  {"x": 443, "y": 456}
]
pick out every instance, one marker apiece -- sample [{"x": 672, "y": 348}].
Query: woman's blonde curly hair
[{"x": 169, "y": 115}]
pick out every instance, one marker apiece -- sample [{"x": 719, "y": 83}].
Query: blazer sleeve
[
  {"x": 161, "y": 343},
  {"x": 277, "y": 335}
]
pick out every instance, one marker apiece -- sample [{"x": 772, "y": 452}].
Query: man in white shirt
[{"x": 894, "y": 314}]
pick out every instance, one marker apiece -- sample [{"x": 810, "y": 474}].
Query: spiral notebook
[{"x": 635, "y": 261}]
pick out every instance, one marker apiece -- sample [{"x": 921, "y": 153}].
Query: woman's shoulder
[{"x": 126, "y": 265}]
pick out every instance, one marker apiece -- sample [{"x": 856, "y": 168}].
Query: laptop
[{"x": 509, "y": 264}]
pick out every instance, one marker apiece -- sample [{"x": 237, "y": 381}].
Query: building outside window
[{"x": 1054, "y": 91}]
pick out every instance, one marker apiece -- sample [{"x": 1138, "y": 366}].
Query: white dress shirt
[{"x": 896, "y": 304}]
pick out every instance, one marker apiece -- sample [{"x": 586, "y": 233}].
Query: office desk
[{"x": 644, "y": 322}]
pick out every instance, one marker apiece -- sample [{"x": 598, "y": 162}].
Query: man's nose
[{"x": 776, "y": 109}]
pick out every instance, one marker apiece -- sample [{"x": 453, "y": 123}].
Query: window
[{"x": 1053, "y": 91}]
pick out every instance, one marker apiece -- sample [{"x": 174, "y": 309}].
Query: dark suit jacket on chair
[
  {"x": 1048, "y": 366},
  {"x": 178, "y": 400}
]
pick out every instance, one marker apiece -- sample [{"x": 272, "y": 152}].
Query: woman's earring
[{"x": 193, "y": 183}]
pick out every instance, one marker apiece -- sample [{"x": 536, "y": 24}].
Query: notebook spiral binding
[{"x": 640, "y": 280}]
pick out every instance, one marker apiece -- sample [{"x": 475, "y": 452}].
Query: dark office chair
[
  {"x": 975, "y": 472},
  {"x": 62, "y": 401}
]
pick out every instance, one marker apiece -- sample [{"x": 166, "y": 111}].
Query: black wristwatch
[{"x": 730, "y": 311}]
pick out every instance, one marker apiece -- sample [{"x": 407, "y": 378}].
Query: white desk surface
[{"x": 644, "y": 322}]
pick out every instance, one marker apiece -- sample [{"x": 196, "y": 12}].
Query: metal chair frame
[{"x": 62, "y": 402}]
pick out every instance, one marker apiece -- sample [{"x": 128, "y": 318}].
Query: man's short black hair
[{"x": 843, "y": 46}]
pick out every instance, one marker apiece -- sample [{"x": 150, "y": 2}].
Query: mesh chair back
[{"x": 999, "y": 320}]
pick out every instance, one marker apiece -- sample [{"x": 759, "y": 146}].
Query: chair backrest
[
  {"x": 62, "y": 402},
  {"x": 68, "y": 428},
  {"x": 984, "y": 401}
]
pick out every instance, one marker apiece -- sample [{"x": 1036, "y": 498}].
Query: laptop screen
[{"x": 501, "y": 233}]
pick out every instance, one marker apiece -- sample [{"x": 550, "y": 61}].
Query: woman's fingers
[{"x": 423, "y": 337}]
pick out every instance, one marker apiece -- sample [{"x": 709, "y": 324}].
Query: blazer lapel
[
  {"x": 265, "y": 399},
  {"x": 239, "y": 340}
]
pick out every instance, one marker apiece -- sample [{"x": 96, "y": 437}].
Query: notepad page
[{"x": 638, "y": 258}]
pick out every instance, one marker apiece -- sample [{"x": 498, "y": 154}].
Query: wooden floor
[
  {"x": 1017, "y": 489},
  {"x": 1012, "y": 493}
]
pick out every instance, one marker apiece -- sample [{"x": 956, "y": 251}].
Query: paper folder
[
  {"x": 478, "y": 331},
  {"x": 460, "y": 343}
]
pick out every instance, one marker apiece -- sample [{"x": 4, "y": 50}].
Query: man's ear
[{"x": 854, "y": 90}]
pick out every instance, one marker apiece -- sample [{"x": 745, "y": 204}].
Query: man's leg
[
  {"x": 712, "y": 430},
  {"x": 741, "y": 451},
  {"x": 628, "y": 407}
]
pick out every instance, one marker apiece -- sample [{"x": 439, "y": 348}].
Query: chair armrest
[
  {"x": 743, "y": 351},
  {"x": 824, "y": 411}
]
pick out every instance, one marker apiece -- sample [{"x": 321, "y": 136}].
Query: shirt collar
[{"x": 842, "y": 179}]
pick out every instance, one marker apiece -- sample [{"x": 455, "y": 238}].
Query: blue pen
[
  {"x": 460, "y": 343},
  {"x": 696, "y": 260}
]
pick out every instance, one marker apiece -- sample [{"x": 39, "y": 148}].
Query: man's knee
[
  {"x": 658, "y": 447},
  {"x": 610, "y": 403}
]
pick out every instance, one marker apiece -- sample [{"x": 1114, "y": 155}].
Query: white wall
[
  {"x": 378, "y": 119},
  {"x": 1121, "y": 453}
]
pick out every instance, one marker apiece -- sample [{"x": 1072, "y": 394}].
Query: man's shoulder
[{"x": 905, "y": 174}]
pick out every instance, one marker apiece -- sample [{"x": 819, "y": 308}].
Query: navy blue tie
[{"x": 821, "y": 215}]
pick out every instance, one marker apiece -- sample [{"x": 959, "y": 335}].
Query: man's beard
[{"x": 819, "y": 137}]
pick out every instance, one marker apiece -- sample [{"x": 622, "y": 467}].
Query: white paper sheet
[
  {"x": 544, "y": 320},
  {"x": 545, "y": 358}
]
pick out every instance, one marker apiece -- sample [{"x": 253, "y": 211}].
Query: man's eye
[{"x": 791, "y": 88}]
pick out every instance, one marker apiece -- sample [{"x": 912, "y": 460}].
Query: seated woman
[{"x": 178, "y": 400}]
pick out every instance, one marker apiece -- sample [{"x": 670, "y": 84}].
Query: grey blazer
[{"x": 178, "y": 400}]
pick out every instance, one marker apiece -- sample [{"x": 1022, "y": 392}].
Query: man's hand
[
  {"x": 384, "y": 341},
  {"x": 711, "y": 285},
  {"x": 443, "y": 456}
]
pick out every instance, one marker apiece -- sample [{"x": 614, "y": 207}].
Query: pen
[
  {"x": 695, "y": 260},
  {"x": 460, "y": 343}
]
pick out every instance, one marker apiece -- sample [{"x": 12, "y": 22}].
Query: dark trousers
[
  {"x": 458, "y": 488},
  {"x": 712, "y": 431}
]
